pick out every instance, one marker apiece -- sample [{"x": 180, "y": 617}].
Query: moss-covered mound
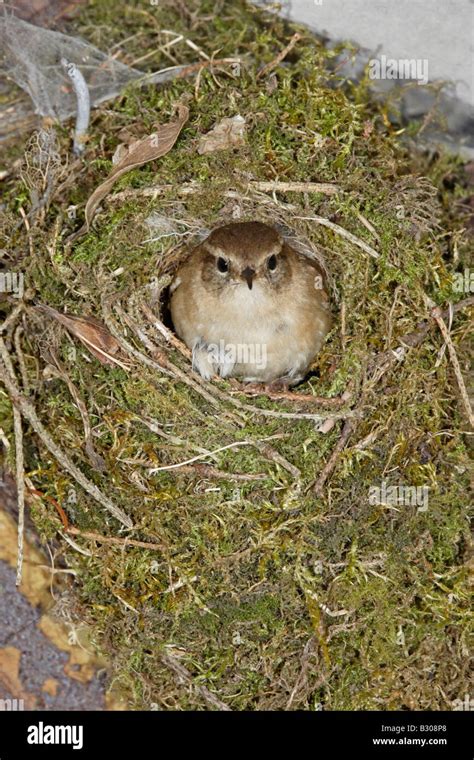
[{"x": 253, "y": 577}]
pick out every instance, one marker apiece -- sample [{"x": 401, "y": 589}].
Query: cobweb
[{"x": 31, "y": 55}]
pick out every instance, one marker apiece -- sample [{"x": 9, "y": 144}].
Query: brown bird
[{"x": 250, "y": 306}]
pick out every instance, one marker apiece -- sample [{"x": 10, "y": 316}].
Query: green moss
[{"x": 257, "y": 579}]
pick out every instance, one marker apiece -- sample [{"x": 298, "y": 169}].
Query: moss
[{"x": 259, "y": 581}]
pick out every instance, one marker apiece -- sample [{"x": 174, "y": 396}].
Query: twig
[
  {"x": 27, "y": 410},
  {"x": 60, "y": 510},
  {"x": 114, "y": 540},
  {"x": 295, "y": 187},
  {"x": 167, "y": 334},
  {"x": 4, "y": 440},
  {"x": 275, "y": 456},
  {"x": 189, "y": 189},
  {"x": 207, "y": 471},
  {"x": 437, "y": 316},
  {"x": 291, "y": 415},
  {"x": 28, "y": 229},
  {"x": 307, "y": 398},
  {"x": 184, "y": 675},
  {"x": 75, "y": 546},
  {"x": 369, "y": 227},
  {"x": 20, "y": 487},
  {"x": 11, "y": 318},
  {"x": 382, "y": 362},
  {"x": 181, "y": 71},
  {"x": 95, "y": 459},
  {"x": 279, "y": 58},
  {"x": 126, "y": 346},
  {"x": 234, "y": 445},
  {"x": 303, "y": 672},
  {"x": 21, "y": 358},
  {"x": 170, "y": 368},
  {"x": 173, "y": 439},
  {"x": 83, "y": 104},
  {"x": 317, "y": 486},
  {"x": 342, "y": 232}
]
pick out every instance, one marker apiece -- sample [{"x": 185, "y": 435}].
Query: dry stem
[
  {"x": 437, "y": 316},
  {"x": 20, "y": 486},
  {"x": 279, "y": 58},
  {"x": 27, "y": 410}
]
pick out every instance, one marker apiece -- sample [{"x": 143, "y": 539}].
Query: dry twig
[
  {"x": 437, "y": 316},
  {"x": 279, "y": 58},
  {"x": 234, "y": 445},
  {"x": 342, "y": 232},
  {"x": 96, "y": 460},
  {"x": 185, "y": 676},
  {"x": 377, "y": 369},
  {"x": 295, "y": 187},
  {"x": 304, "y": 398},
  {"x": 124, "y": 542},
  {"x": 20, "y": 487},
  {"x": 7, "y": 376},
  {"x": 317, "y": 486}
]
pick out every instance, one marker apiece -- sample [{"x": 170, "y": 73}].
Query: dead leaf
[
  {"x": 228, "y": 133},
  {"x": 91, "y": 332},
  {"x": 10, "y": 676},
  {"x": 138, "y": 153},
  {"x": 120, "y": 152}
]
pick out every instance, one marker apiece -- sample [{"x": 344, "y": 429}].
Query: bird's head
[{"x": 251, "y": 255}]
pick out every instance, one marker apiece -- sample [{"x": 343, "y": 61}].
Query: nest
[
  {"x": 251, "y": 207},
  {"x": 258, "y": 568}
]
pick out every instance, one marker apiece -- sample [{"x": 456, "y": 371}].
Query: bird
[{"x": 250, "y": 306}]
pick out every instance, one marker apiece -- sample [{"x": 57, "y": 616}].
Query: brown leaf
[
  {"x": 228, "y": 133},
  {"x": 91, "y": 332},
  {"x": 139, "y": 152}
]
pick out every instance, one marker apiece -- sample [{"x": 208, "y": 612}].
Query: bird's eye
[
  {"x": 272, "y": 263},
  {"x": 222, "y": 265}
]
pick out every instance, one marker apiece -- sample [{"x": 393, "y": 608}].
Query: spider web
[{"x": 31, "y": 57}]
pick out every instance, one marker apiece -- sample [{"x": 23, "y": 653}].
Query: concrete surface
[
  {"x": 41, "y": 662},
  {"x": 442, "y": 33},
  {"x": 36, "y": 665}
]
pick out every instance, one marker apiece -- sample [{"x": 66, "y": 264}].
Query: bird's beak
[{"x": 248, "y": 275}]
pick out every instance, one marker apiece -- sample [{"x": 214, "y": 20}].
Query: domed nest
[{"x": 246, "y": 544}]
